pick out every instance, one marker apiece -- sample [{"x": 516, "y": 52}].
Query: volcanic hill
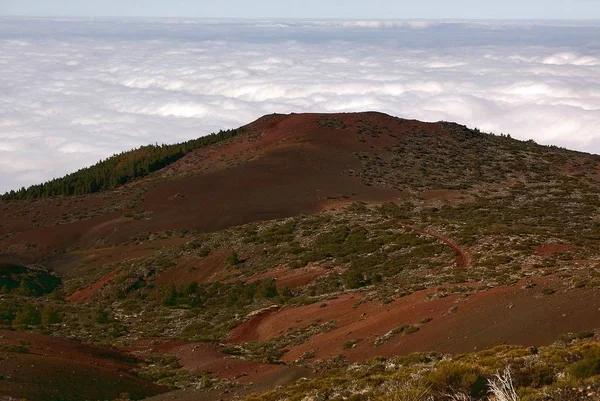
[{"x": 295, "y": 246}]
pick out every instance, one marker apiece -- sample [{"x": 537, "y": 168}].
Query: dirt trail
[
  {"x": 463, "y": 257},
  {"x": 85, "y": 294},
  {"x": 249, "y": 330}
]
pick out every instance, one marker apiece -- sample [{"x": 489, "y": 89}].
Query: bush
[
  {"x": 101, "y": 316},
  {"x": 50, "y": 315},
  {"x": 535, "y": 375},
  {"x": 268, "y": 289},
  {"x": 459, "y": 377},
  {"x": 30, "y": 282},
  {"x": 405, "y": 391},
  {"x": 234, "y": 259},
  {"x": 28, "y": 315},
  {"x": 588, "y": 366}
]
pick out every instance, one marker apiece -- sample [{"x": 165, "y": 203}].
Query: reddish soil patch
[
  {"x": 551, "y": 249},
  {"x": 253, "y": 376},
  {"x": 74, "y": 263},
  {"x": 292, "y": 278},
  {"x": 442, "y": 195},
  {"x": 190, "y": 269},
  {"x": 87, "y": 293},
  {"x": 250, "y": 329},
  {"x": 52, "y": 368},
  {"x": 284, "y": 183},
  {"x": 510, "y": 315},
  {"x": 207, "y": 357}
]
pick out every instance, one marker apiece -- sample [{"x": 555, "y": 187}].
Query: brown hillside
[
  {"x": 38, "y": 367},
  {"x": 306, "y": 241},
  {"x": 281, "y": 166}
]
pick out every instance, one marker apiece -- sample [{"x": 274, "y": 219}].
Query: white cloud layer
[{"x": 75, "y": 91}]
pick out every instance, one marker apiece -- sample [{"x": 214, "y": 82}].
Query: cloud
[{"x": 73, "y": 91}]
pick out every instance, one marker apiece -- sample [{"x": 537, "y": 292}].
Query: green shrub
[
  {"x": 30, "y": 282},
  {"x": 28, "y": 315},
  {"x": 267, "y": 289},
  {"x": 50, "y": 315},
  {"x": 234, "y": 259},
  {"x": 535, "y": 375},
  {"x": 459, "y": 377},
  {"x": 588, "y": 366},
  {"x": 101, "y": 316}
]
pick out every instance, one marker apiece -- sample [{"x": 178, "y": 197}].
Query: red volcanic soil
[
  {"x": 292, "y": 278},
  {"x": 207, "y": 357},
  {"x": 295, "y": 167},
  {"x": 48, "y": 368},
  {"x": 442, "y": 194},
  {"x": 94, "y": 258},
  {"x": 253, "y": 376},
  {"x": 190, "y": 269},
  {"x": 87, "y": 293},
  {"x": 551, "y": 249},
  {"x": 512, "y": 315},
  {"x": 253, "y": 328},
  {"x": 280, "y": 166}
]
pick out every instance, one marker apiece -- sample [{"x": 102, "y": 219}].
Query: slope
[{"x": 310, "y": 240}]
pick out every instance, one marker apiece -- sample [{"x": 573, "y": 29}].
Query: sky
[
  {"x": 77, "y": 90},
  {"x": 373, "y": 9}
]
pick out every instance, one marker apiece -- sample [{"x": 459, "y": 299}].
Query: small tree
[
  {"x": 286, "y": 292},
  {"x": 269, "y": 289},
  {"x": 169, "y": 296},
  {"x": 28, "y": 315},
  {"x": 101, "y": 316},
  {"x": 234, "y": 259},
  {"x": 50, "y": 315}
]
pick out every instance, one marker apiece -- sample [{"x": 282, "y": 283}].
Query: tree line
[{"x": 118, "y": 169}]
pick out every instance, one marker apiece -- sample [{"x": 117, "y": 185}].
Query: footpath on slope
[{"x": 463, "y": 257}]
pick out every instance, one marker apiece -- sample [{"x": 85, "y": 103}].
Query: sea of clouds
[{"x": 73, "y": 91}]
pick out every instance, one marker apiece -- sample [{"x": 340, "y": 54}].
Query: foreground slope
[{"x": 309, "y": 241}]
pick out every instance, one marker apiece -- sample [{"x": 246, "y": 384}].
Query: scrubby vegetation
[
  {"x": 166, "y": 371},
  {"x": 465, "y": 158},
  {"x": 506, "y": 373},
  {"x": 26, "y": 281},
  {"x": 477, "y": 212},
  {"x": 373, "y": 249}
]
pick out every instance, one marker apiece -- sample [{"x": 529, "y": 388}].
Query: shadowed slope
[{"x": 49, "y": 368}]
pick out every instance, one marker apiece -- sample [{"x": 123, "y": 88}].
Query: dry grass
[{"x": 502, "y": 387}]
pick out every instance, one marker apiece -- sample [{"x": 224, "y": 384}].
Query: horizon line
[{"x": 448, "y": 19}]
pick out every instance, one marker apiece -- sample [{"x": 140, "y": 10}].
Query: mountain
[{"x": 299, "y": 244}]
